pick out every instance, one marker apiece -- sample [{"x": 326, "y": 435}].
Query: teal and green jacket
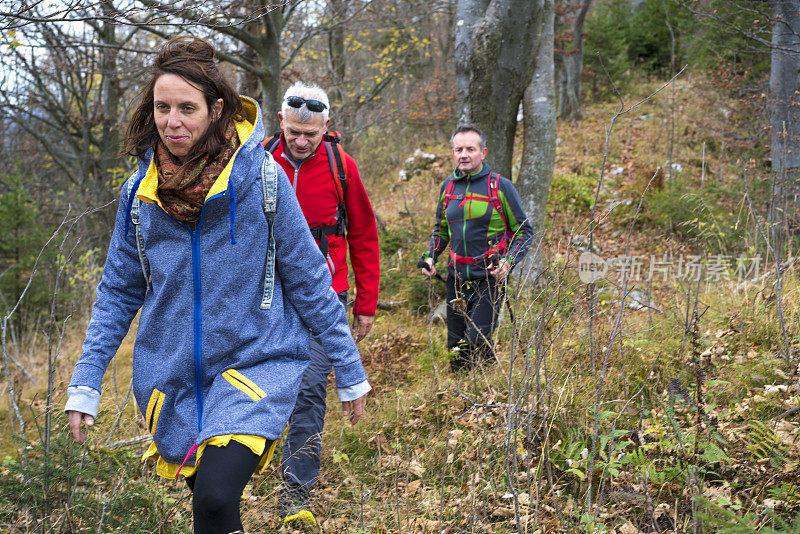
[{"x": 472, "y": 226}]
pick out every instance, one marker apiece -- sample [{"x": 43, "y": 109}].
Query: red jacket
[{"x": 318, "y": 197}]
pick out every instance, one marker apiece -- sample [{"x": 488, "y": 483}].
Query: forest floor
[{"x": 659, "y": 399}]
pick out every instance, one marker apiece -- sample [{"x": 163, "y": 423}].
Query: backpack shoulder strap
[
  {"x": 333, "y": 136},
  {"x": 129, "y": 183},
  {"x": 271, "y": 143},
  {"x": 135, "y": 207},
  {"x": 337, "y": 161},
  {"x": 448, "y": 194},
  {"x": 269, "y": 192},
  {"x": 494, "y": 196}
]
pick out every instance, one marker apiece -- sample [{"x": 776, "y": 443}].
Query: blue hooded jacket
[{"x": 207, "y": 360}]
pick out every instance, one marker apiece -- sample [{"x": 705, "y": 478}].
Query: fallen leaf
[
  {"x": 416, "y": 468},
  {"x": 380, "y": 441},
  {"x": 629, "y": 528},
  {"x": 662, "y": 509},
  {"x": 503, "y": 511},
  {"x": 787, "y": 432}
]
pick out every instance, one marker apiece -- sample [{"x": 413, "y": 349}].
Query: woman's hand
[
  {"x": 354, "y": 408},
  {"x": 75, "y": 423}
]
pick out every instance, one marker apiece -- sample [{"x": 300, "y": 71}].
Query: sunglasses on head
[{"x": 311, "y": 104}]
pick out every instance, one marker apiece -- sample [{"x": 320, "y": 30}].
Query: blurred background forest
[{"x": 662, "y": 398}]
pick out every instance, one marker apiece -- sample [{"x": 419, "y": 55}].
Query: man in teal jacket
[{"x": 480, "y": 215}]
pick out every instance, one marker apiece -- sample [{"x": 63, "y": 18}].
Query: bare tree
[
  {"x": 256, "y": 25},
  {"x": 494, "y": 58},
  {"x": 375, "y": 54},
  {"x": 539, "y": 130},
  {"x": 65, "y": 89},
  {"x": 17, "y": 14},
  {"x": 753, "y": 22},
  {"x": 336, "y": 49},
  {"x": 571, "y": 63},
  {"x": 784, "y": 112}
]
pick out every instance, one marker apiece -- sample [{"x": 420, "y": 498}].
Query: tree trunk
[
  {"x": 569, "y": 98},
  {"x": 338, "y": 64},
  {"x": 467, "y": 15},
  {"x": 250, "y": 84},
  {"x": 539, "y": 134},
  {"x": 338, "y": 67},
  {"x": 109, "y": 146},
  {"x": 270, "y": 57},
  {"x": 494, "y": 64},
  {"x": 785, "y": 113}
]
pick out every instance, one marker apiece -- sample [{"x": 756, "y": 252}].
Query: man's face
[
  {"x": 468, "y": 153},
  {"x": 302, "y": 138}
]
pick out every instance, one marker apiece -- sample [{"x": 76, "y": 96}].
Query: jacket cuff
[
  {"x": 83, "y": 399},
  {"x": 351, "y": 374},
  {"x": 87, "y": 374},
  {"x": 358, "y": 310},
  {"x": 353, "y": 392}
]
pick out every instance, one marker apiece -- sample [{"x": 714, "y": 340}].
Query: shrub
[
  {"x": 622, "y": 37},
  {"x": 23, "y": 235},
  {"x": 723, "y": 212},
  {"x": 75, "y": 489},
  {"x": 572, "y": 193}
]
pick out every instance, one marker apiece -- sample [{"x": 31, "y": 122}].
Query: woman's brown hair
[{"x": 192, "y": 59}]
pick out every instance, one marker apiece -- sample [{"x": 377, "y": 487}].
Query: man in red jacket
[{"x": 340, "y": 216}]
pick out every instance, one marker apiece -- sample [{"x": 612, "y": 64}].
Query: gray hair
[
  {"x": 464, "y": 128},
  {"x": 308, "y": 91}
]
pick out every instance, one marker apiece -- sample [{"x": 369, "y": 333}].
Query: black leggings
[{"x": 217, "y": 486}]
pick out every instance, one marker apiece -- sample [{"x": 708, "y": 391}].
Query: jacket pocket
[
  {"x": 154, "y": 411},
  {"x": 244, "y": 384},
  {"x": 476, "y": 208}
]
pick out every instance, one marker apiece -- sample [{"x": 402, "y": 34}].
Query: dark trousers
[
  {"x": 303, "y": 446},
  {"x": 217, "y": 487},
  {"x": 473, "y": 309}
]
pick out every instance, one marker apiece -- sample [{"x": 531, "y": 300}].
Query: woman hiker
[{"x": 208, "y": 243}]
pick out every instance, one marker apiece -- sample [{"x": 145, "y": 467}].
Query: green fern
[{"x": 728, "y": 522}]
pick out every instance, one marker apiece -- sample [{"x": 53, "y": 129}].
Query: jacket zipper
[
  {"x": 296, "y": 166},
  {"x": 198, "y": 330},
  {"x": 464, "y": 223}
]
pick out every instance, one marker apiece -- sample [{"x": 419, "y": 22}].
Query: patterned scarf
[{"x": 182, "y": 188}]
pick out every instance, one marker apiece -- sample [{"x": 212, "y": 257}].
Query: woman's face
[{"x": 181, "y": 113}]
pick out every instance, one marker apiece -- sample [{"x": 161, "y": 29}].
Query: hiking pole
[{"x": 421, "y": 264}]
